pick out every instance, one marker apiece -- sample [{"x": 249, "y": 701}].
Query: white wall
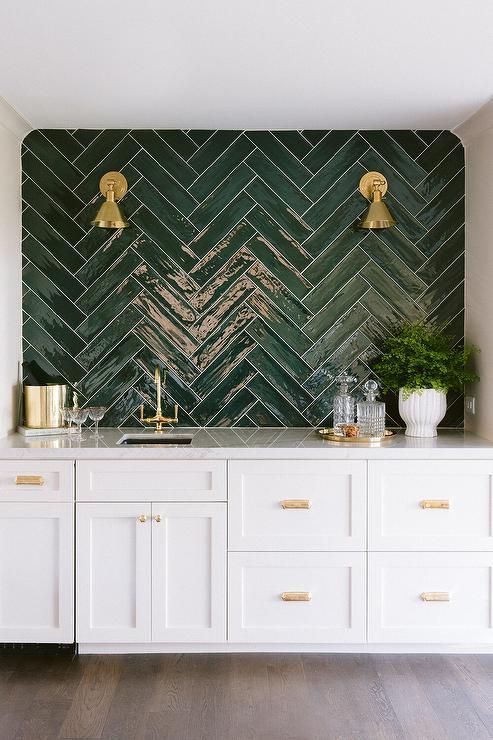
[
  {"x": 13, "y": 128},
  {"x": 477, "y": 136}
]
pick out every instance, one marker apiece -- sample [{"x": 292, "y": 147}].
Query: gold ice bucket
[{"x": 43, "y": 406}]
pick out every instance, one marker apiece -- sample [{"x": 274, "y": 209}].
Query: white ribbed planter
[{"x": 422, "y": 411}]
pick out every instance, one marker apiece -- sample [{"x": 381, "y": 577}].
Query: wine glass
[
  {"x": 79, "y": 416},
  {"x": 96, "y": 413},
  {"x": 67, "y": 417}
]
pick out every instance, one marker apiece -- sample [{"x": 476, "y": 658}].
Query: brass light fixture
[
  {"x": 113, "y": 186},
  {"x": 373, "y": 186}
]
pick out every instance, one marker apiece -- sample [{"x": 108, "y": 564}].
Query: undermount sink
[{"x": 156, "y": 438}]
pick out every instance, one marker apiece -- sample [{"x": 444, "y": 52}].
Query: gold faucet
[{"x": 158, "y": 419}]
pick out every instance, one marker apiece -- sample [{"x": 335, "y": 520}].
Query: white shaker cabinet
[
  {"x": 36, "y": 572},
  {"x": 151, "y": 571}
]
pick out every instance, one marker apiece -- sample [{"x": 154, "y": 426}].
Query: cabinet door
[
  {"x": 36, "y": 573},
  {"x": 297, "y": 597},
  {"x": 297, "y": 505},
  {"x": 114, "y": 572},
  {"x": 430, "y": 505},
  {"x": 188, "y": 572}
]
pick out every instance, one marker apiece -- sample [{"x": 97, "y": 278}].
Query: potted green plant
[{"x": 421, "y": 362}]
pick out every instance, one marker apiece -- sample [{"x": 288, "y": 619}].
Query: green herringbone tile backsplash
[{"x": 242, "y": 272}]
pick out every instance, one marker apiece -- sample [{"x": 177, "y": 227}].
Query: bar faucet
[{"x": 158, "y": 419}]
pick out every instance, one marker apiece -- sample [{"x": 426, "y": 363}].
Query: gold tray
[{"x": 328, "y": 433}]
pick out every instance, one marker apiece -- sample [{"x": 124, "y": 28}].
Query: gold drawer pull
[
  {"x": 29, "y": 480},
  {"x": 435, "y": 504},
  {"x": 296, "y": 596},
  {"x": 435, "y": 596},
  {"x": 296, "y": 503}
]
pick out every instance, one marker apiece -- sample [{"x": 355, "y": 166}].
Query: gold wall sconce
[
  {"x": 113, "y": 186},
  {"x": 373, "y": 186}
]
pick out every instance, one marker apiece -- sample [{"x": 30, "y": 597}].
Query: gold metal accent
[
  {"x": 113, "y": 186},
  {"x": 373, "y": 187},
  {"x": 158, "y": 419},
  {"x": 157, "y": 518},
  {"x": 142, "y": 518},
  {"x": 435, "y": 504},
  {"x": 296, "y": 596},
  {"x": 43, "y": 405},
  {"x": 29, "y": 480},
  {"x": 296, "y": 503},
  {"x": 435, "y": 596},
  {"x": 329, "y": 434}
]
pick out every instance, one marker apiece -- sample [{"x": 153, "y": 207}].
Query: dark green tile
[
  {"x": 162, "y": 209},
  {"x": 282, "y": 353},
  {"x": 163, "y": 266},
  {"x": 230, "y": 300},
  {"x": 165, "y": 322},
  {"x": 441, "y": 203},
  {"x": 395, "y": 268},
  {"x": 400, "y": 245},
  {"x": 336, "y": 307},
  {"x": 336, "y": 335},
  {"x": 398, "y": 186},
  {"x": 179, "y": 141},
  {"x": 63, "y": 196},
  {"x": 428, "y": 136},
  {"x": 164, "y": 183},
  {"x": 52, "y": 323},
  {"x": 111, "y": 307},
  {"x": 333, "y": 254},
  {"x": 117, "y": 244},
  {"x": 30, "y": 354},
  {"x": 340, "y": 163},
  {"x": 224, "y": 392},
  {"x": 106, "y": 372},
  {"x": 443, "y": 257},
  {"x": 108, "y": 281},
  {"x": 175, "y": 386},
  {"x": 54, "y": 352},
  {"x": 222, "y": 252},
  {"x": 279, "y": 322},
  {"x": 122, "y": 409},
  {"x": 278, "y": 182},
  {"x": 45, "y": 207},
  {"x": 295, "y": 142},
  {"x": 443, "y": 229},
  {"x": 151, "y": 336},
  {"x": 262, "y": 417},
  {"x": 169, "y": 243},
  {"x": 407, "y": 224},
  {"x": 52, "y": 295},
  {"x": 52, "y": 240},
  {"x": 276, "y": 403},
  {"x": 278, "y": 293},
  {"x": 325, "y": 149},
  {"x": 214, "y": 147},
  {"x": 98, "y": 149},
  {"x": 69, "y": 284},
  {"x": 327, "y": 288},
  {"x": 391, "y": 292},
  {"x": 85, "y": 135},
  {"x": 220, "y": 339},
  {"x": 222, "y": 281},
  {"x": 44, "y": 150},
  {"x": 112, "y": 162},
  {"x": 174, "y": 302},
  {"x": 280, "y": 156},
  {"x": 296, "y": 227},
  {"x": 442, "y": 174},
  {"x": 64, "y": 141},
  {"x": 279, "y": 266},
  {"x": 200, "y": 136},
  {"x": 440, "y": 289},
  {"x": 313, "y": 136},
  {"x": 222, "y": 224},
  {"x": 450, "y": 307},
  {"x": 221, "y": 168},
  {"x": 395, "y": 155},
  {"x": 236, "y": 408},
  {"x": 110, "y": 335},
  {"x": 409, "y": 141},
  {"x": 278, "y": 238},
  {"x": 223, "y": 364},
  {"x": 280, "y": 378},
  {"x": 335, "y": 195},
  {"x": 344, "y": 217},
  {"x": 437, "y": 150},
  {"x": 206, "y": 211},
  {"x": 114, "y": 384}
]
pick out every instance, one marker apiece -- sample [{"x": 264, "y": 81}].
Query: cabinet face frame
[
  {"x": 55, "y": 481},
  {"x": 62, "y": 600},
  {"x": 167, "y": 567},
  {"x": 87, "y": 515},
  {"x": 444, "y": 511},
  {"x": 299, "y": 509}
]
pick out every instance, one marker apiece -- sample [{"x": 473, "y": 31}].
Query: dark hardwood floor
[{"x": 243, "y": 697}]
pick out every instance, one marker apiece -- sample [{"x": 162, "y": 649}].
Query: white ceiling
[{"x": 246, "y": 63}]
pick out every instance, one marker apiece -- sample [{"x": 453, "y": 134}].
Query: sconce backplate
[
  {"x": 120, "y": 184},
  {"x": 366, "y": 184}
]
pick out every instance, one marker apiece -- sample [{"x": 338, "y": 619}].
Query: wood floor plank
[
  {"x": 91, "y": 704},
  {"x": 476, "y": 683}
]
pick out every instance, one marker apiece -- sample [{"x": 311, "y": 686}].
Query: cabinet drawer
[
  {"x": 430, "y": 597},
  {"x": 429, "y": 505},
  {"x": 134, "y": 480},
  {"x": 297, "y": 505},
  {"x": 299, "y": 597},
  {"x": 36, "y": 480}
]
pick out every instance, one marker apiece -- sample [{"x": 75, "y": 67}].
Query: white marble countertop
[{"x": 244, "y": 443}]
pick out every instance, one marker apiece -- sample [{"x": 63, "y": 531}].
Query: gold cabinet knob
[
  {"x": 296, "y": 596},
  {"x": 157, "y": 518},
  {"x": 142, "y": 518}
]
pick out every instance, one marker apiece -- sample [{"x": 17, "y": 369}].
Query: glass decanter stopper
[
  {"x": 370, "y": 412},
  {"x": 344, "y": 406}
]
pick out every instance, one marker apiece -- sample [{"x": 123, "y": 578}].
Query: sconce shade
[
  {"x": 373, "y": 186},
  {"x": 113, "y": 186}
]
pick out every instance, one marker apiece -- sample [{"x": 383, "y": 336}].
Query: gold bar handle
[
  {"x": 296, "y": 503},
  {"x": 296, "y": 596},
  {"x": 435, "y": 596},
  {"x": 435, "y": 504},
  {"x": 29, "y": 480}
]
